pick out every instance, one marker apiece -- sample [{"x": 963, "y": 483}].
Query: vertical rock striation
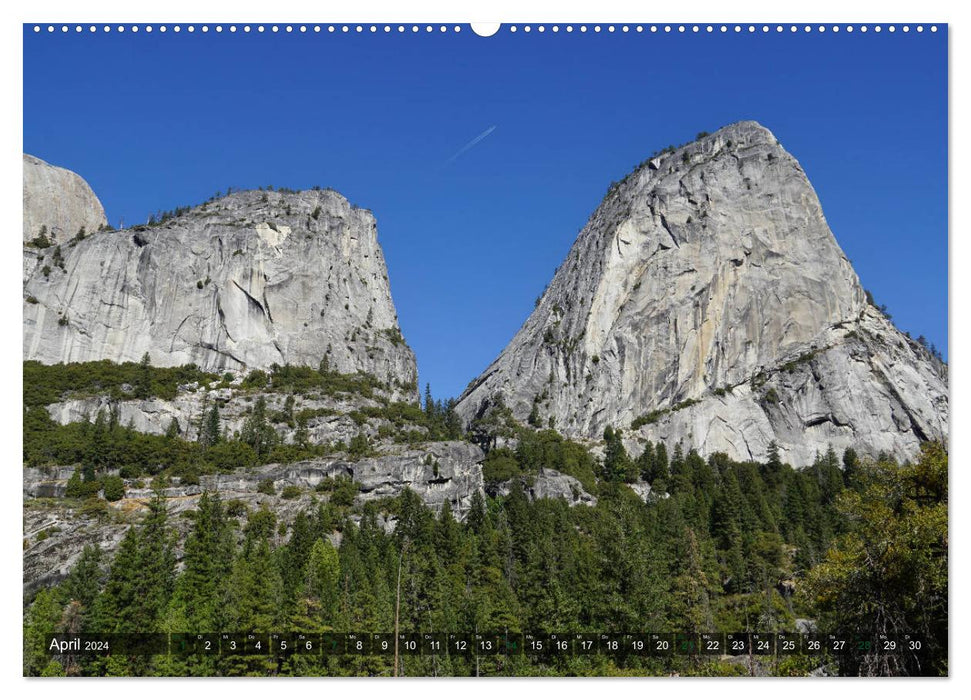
[
  {"x": 706, "y": 301},
  {"x": 238, "y": 283}
]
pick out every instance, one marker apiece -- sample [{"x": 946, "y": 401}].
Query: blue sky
[{"x": 154, "y": 121}]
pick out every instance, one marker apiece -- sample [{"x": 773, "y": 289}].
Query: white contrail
[{"x": 471, "y": 143}]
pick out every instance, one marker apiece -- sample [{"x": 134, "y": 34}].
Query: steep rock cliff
[
  {"x": 58, "y": 202},
  {"x": 238, "y": 283},
  {"x": 707, "y": 302}
]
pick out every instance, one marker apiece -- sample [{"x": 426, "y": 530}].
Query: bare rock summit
[
  {"x": 707, "y": 302},
  {"x": 242, "y": 282},
  {"x": 58, "y": 203}
]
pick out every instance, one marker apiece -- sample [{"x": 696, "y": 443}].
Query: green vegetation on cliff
[{"x": 730, "y": 546}]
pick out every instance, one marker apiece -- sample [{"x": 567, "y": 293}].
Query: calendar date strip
[{"x": 483, "y": 644}]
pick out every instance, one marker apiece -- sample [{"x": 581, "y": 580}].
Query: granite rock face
[
  {"x": 547, "y": 484},
  {"x": 56, "y": 533},
  {"x": 54, "y": 539},
  {"x": 710, "y": 275},
  {"x": 550, "y": 483},
  {"x": 238, "y": 283},
  {"x": 58, "y": 200}
]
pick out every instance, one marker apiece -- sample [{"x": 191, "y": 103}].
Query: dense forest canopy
[{"x": 717, "y": 546}]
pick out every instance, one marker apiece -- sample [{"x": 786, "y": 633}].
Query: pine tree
[
  {"x": 475, "y": 521},
  {"x": 662, "y": 468},
  {"x": 288, "y": 406},
  {"x": 257, "y": 431},
  {"x": 143, "y": 379},
  {"x": 141, "y": 578},
  {"x": 680, "y": 477},
  {"x": 120, "y": 594},
  {"x": 449, "y": 535},
  {"x": 294, "y": 557},
  {"x": 851, "y": 463},
  {"x": 322, "y": 582},
  {"x": 83, "y": 583},
  {"x": 261, "y": 525},
  {"x": 772, "y": 469},
  {"x": 534, "y": 418},
  {"x": 693, "y": 590},
  {"x": 492, "y": 603},
  {"x": 98, "y": 447},
  {"x": 301, "y": 437},
  {"x": 618, "y": 465},
  {"x": 254, "y": 602},
  {"x": 75, "y": 485},
  {"x": 453, "y": 424},
  {"x": 42, "y": 620},
  {"x": 727, "y": 528},
  {"x": 211, "y": 432},
  {"x": 645, "y": 463},
  {"x": 256, "y": 590},
  {"x": 207, "y": 564},
  {"x": 828, "y": 475},
  {"x": 156, "y": 562}
]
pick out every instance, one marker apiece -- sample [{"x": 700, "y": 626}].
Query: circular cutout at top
[{"x": 485, "y": 28}]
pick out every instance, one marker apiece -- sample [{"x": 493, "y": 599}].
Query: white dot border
[{"x": 593, "y": 29}]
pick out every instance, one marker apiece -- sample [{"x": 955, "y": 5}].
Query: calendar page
[{"x": 438, "y": 349}]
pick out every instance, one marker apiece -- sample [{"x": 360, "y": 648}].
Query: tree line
[{"x": 724, "y": 546}]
